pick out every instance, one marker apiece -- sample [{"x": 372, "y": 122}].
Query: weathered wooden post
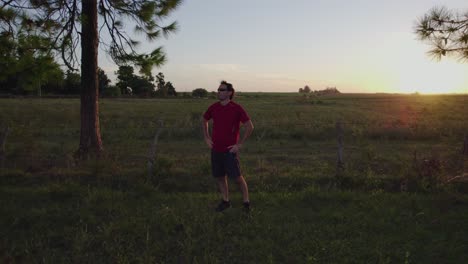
[
  {"x": 3, "y": 136},
  {"x": 339, "y": 133},
  {"x": 152, "y": 150},
  {"x": 465, "y": 145}
]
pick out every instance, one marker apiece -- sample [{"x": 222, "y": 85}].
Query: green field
[{"x": 396, "y": 201}]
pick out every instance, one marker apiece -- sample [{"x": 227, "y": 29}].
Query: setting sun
[{"x": 432, "y": 78}]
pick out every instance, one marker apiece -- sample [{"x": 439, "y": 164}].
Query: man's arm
[
  {"x": 247, "y": 132},
  {"x": 206, "y": 133}
]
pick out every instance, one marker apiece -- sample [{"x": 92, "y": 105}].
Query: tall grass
[
  {"x": 391, "y": 204},
  {"x": 294, "y": 136}
]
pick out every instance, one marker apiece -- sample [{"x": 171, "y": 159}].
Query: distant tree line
[
  {"x": 327, "y": 91},
  {"x": 26, "y": 69},
  {"x": 129, "y": 84}
]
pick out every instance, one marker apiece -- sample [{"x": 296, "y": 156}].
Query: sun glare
[{"x": 434, "y": 78}]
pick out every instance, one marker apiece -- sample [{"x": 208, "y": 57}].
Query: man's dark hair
[{"x": 229, "y": 88}]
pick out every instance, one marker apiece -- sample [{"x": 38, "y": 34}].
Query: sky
[{"x": 357, "y": 46}]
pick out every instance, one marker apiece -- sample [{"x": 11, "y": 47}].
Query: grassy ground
[
  {"x": 391, "y": 204},
  {"x": 69, "y": 223}
]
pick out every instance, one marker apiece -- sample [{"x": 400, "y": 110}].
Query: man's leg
[
  {"x": 234, "y": 172},
  {"x": 244, "y": 189},
  {"x": 224, "y": 190},
  {"x": 223, "y": 187},
  {"x": 219, "y": 173}
]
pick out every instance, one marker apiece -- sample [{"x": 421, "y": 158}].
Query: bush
[
  {"x": 200, "y": 92},
  {"x": 111, "y": 91}
]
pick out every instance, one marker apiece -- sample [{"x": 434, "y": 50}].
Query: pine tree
[
  {"x": 446, "y": 31},
  {"x": 73, "y": 24}
]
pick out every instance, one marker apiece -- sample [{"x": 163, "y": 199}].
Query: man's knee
[
  {"x": 240, "y": 179},
  {"x": 221, "y": 179}
]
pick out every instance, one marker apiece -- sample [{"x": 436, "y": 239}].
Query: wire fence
[
  {"x": 365, "y": 138},
  {"x": 338, "y": 139}
]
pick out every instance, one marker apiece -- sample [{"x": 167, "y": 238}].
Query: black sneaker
[
  {"x": 246, "y": 207},
  {"x": 223, "y": 205}
]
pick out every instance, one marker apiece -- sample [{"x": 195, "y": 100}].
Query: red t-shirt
[{"x": 226, "y": 124}]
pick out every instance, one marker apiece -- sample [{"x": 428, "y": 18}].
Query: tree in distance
[
  {"x": 200, "y": 93},
  {"x": 164, "y": 89},
  {"x": 25, "y": 69},
  {"x": 305, "y": 90}
]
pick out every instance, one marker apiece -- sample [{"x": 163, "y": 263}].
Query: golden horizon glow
[{"x": 441, "y": 78}]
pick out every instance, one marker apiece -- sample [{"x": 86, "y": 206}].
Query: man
[{"x": 225, "y": 144}]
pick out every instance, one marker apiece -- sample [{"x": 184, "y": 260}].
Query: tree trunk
[{"x": 90, "y": 134}]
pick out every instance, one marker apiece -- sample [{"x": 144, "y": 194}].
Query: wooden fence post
[
  {"x": 3, "y": 136},
  {"x": 339, "y": 133},
  {"x": 465, "y": 145},
  {"x": 152, "y": 150}
]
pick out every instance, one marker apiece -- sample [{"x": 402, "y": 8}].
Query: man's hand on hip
[
  {"x": 235, "y": 148},
  {"x": 209, "y": 142}
]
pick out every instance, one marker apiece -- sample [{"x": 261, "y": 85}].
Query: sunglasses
[{"x": 222, "y": 90}]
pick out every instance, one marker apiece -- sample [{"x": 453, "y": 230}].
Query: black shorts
[{"x": 225, "y": 163}]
